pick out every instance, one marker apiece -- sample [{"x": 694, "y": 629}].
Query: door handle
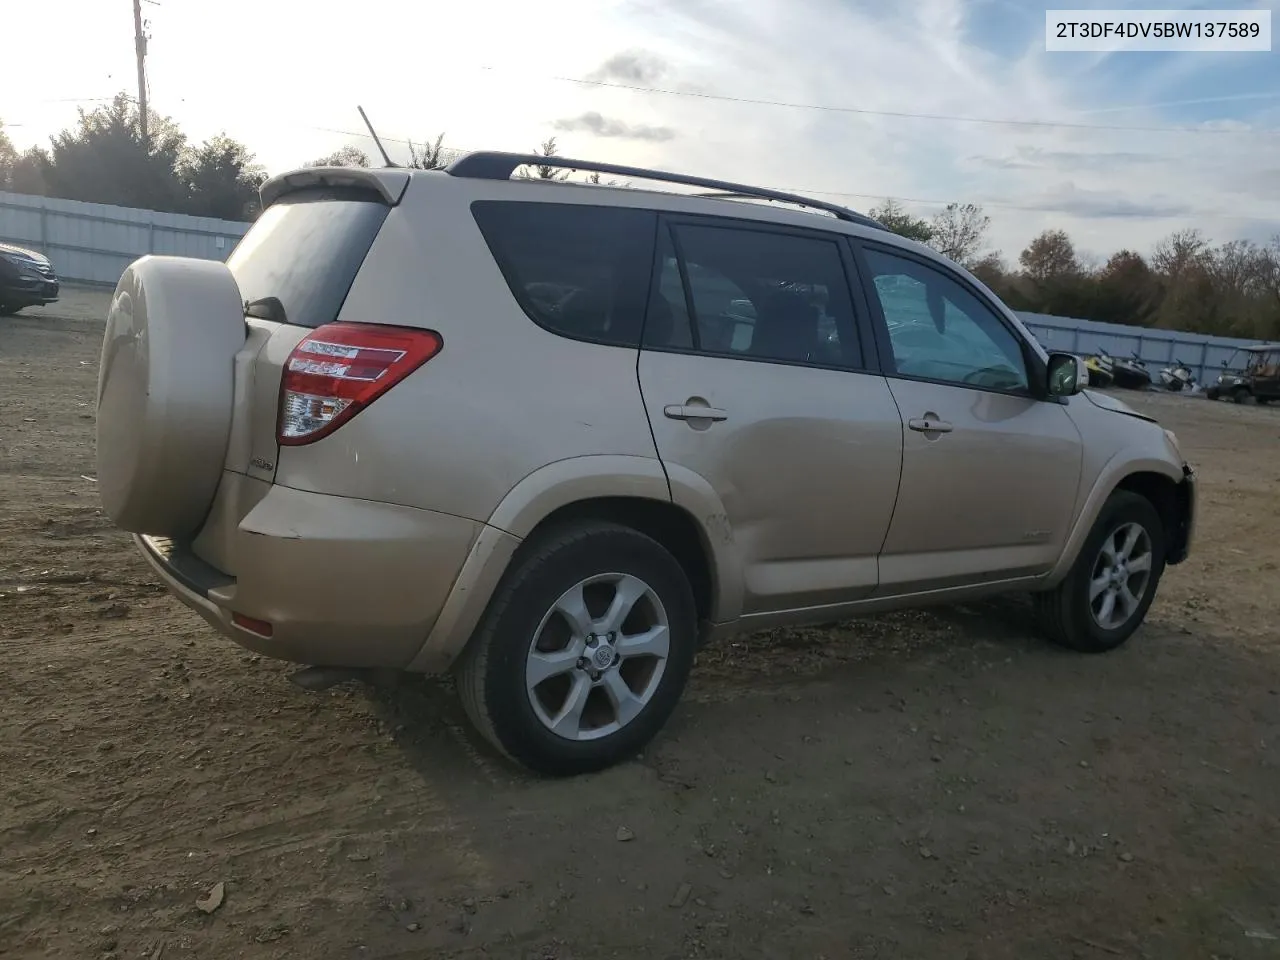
[
  {"x": 693, "y": 411},
  {"x": 929, "y": 425}
]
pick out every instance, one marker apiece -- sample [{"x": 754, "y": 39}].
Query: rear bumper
[{"x": 342, "y": 582}]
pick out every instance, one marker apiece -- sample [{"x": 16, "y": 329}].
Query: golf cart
[{"x": 1250, "y": 372}]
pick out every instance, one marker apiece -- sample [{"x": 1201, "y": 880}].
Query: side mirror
[{"x": 1067, "y": 375}]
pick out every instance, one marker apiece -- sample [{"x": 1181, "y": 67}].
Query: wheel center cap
[{"x": 602, "y": 656}]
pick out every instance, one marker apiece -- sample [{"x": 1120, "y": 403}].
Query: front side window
[
  {"x": 576, "y": 270},
  {"x": 939, "y": 330},
  {"x": 753, "y": 294}
]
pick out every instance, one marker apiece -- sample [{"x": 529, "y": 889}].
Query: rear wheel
[
  {"x": 584, "y": 650},
  {"x": 1105, "y": 597}
]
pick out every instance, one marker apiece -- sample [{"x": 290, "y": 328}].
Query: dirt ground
[{"x": 926, "y": 785}]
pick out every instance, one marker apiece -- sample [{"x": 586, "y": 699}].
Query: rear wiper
[{"x": 266, "y": 308}]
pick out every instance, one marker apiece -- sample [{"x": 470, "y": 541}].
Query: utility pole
[{"x": 140, "y": 51}]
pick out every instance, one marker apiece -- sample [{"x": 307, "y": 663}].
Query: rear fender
[{"x": 559, "y": 485}]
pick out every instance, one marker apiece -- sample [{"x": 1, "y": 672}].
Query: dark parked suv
[{"x": 26, "y": 279}]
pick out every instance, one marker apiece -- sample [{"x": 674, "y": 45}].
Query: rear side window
[
  {"x": 305, "y": 251},
  {"x": 579, "y": 271},
  {"x": 755, "y": 294}
]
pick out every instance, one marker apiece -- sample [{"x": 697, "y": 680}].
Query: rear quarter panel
[{"x": 503, "y": 398}]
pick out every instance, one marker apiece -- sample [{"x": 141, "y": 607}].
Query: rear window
[
  {"x": 305, "y": 251},
  {"x": 576, "y": 270}
]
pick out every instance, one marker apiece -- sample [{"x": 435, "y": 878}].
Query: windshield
[
  {"x": 305, "y": 250},
  {"x": 1261, "y": 361}
]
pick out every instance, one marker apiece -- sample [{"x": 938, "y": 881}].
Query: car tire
[
  {"x": 524, "y": 633},
  {"x": 1239, "y": 395},
  {"x": 1075, "y": 613},
  {"x": 9, "y": 310}
]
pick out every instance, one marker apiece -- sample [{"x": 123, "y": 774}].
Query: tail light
[{"x": 341, "y": 368}]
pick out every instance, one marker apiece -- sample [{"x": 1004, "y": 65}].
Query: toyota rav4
[{"x": 552, "y": 437}]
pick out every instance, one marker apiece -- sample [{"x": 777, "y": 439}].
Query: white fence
[
  {"x": 94, "y": 242},
  {"x": 1157, "y": 348}
]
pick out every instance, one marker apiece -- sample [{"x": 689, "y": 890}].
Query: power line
[
  {"x": 73, "y": 100},
  {"x": 901, "y": 114},
  {"x": 1027, "y": 208},
  {"x": 995, "y": 204}
]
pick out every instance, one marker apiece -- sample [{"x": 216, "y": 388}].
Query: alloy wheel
[{"x": 598, "y": 656}]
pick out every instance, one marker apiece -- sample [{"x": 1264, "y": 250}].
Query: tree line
[
  {"x": 1187, "y": 283},
  {"x": 104, "y": 158}
]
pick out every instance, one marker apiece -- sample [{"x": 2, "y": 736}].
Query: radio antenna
[{"x": 373, "y": 133}]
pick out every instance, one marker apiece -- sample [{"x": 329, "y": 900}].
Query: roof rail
[{"x": 495, "y": 165}]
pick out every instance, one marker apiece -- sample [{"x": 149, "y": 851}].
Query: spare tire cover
[{"x": 165, "y": 392}]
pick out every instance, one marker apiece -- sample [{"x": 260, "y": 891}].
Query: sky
[{"x": 1121, "y": 150}]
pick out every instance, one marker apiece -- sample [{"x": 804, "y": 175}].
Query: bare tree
[
  {"x": 1271, "y": 277},
  {"x": 960, "y": 232},
  {"x": 1179, "y": 252}
]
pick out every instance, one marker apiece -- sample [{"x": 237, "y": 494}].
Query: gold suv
[{"x": 553, "y": 437}]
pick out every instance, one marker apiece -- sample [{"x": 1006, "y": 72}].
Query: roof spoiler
[{"x": 388, "y": 183}]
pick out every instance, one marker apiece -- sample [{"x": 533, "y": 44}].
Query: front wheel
[
  {"x": 584, "y": 650},
  {"x": 1239, "y": 395},
  {"x": 9, "y": 309},
  {"x": 1105, "y": 597}
]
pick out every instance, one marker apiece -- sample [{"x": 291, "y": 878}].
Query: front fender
[{"x": 1120, "y": 466}]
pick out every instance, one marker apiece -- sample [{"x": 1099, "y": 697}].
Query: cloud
[
  {"x": 1041, "y": 158},
  {"x": 958, "y": 59},
  {"x": 599, "y": 125},
  {"x": 1112, "y": 204},
  {"x": 631, "y": 66}
]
